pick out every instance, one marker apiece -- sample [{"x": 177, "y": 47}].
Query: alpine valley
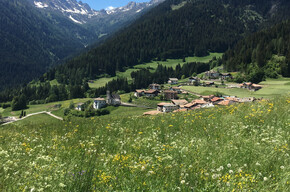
[
  {"x": 36, "y": 35},
  {"x": 173, "y": 95}
]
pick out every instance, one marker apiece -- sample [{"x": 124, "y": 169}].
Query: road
[{"x": 32, "y": 114}]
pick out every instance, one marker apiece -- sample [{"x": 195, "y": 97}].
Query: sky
[{"x": 104, "y": 4}]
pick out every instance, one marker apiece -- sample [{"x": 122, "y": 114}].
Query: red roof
[
  {"x": 198, "y": 101},
  {"x": 179, "y": 102},
  {"x": 216, "y": 99},
  {"x": 150, "y": 91},
  {"x": 189, "y": 105},
  {"x": 225, "y": 102},
  {"x": 140, "y": 90},
  {"x": 162, "y": 104}
]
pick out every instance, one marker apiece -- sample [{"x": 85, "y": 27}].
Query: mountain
[
  {"x": 30, "y": 43},
  {"x": 175, "y": 29},
  {"x": 37, "y": 34},
  {"x": 266, "y": 52},
  {"x": 101, "y": 22}
]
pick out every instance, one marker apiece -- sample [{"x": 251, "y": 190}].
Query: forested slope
[
  {"x": 175, "y": 29},
  {"x": 267, "y": 51}
]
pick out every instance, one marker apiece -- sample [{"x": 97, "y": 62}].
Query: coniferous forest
[
  {"x": 173, "y": 31},
  {"x": 266, "y": 51}
]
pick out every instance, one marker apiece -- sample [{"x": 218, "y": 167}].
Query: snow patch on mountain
[
  {"x": 40, "y": 5},
  {"x": 74, "y": 20}
]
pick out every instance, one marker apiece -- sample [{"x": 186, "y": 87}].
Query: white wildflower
[
  {"x": 229, "y": 165},
  {"x": 282, "y": 167},
  {"x": 231, "y": 171},
  {"x": 182, "y": 181},
  {"x": 265, "y": 178},
  {"x": 62, "y": 185}
]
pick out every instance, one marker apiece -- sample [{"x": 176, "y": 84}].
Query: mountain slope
[
  {"x": 101, "y": 22},
  {"x": 267, "y": 51},
  {"x": 176, "y": 28},
  {"x": 29, "y": 42},
  {"x": 35, "y": 35}
]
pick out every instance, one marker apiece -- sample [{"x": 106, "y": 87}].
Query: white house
[
  {"x": 166, "y": 107},
  {"x": 173, "y": 81},
  {"x": 99, "y": 103}
]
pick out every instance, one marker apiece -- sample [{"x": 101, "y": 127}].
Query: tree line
[{"x": 41, "y": 93}]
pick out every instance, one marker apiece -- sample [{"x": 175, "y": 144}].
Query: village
[{"x": 173, "y": 90}]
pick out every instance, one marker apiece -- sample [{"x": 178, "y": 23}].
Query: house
[
  {"x": 152, "y": 113},
  {"x": 166, "y": 107},
  {"x": 226, "y": 102},
  {"x": 151, "y": 93},
  {"x": 177, "y": 89},
  {"x": 208, "y": 84},
  {"x": 179, "y": 103},
  {"x": 155, "y": 86},
  {"x": 225, "y": 76},
  {"x": 247, "y": 99},
  {"x": 255, "y": 87},
  {"x": 168, "y": 94},
  {"x": 99, "y": 103},
  {"x": 207, "y": 105},
  {"x": 211, "y": 74},
  {"x": 216, "y": 100},
  {"x": 80, "y": 106},
  {"x": 207, "y": 98},
  {"x": 198, "y": 102},
  {"x": 234, "y": 99},
  {"x": 189, "y": 106},
  {"x": 113, "y": 99},
  {"x": 193, "y": 80},
  {"x": 173, "y": 81},
  {"x": 139, "y": 92},
  {"x": 250, "y": 86}
]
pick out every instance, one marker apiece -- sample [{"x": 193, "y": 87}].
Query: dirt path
[{"x": 13, "y": 119}]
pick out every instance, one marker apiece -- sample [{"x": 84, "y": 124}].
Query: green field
[
  {"x": 169, "y": 63},
  {"x": 43, "y": 107},
  {"x": 37, "y": 120},
  {"x": 242, "y": 147},
  {"x": 272, "y": 88}
]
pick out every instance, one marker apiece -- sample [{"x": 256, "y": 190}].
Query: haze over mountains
[{"x": 35, "y": 35}]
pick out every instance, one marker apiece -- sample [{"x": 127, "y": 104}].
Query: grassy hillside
[
  {"x": 153, "y": 65},
  {"x": 237, "y": 148},
  {"x": 271, "y": 88}
]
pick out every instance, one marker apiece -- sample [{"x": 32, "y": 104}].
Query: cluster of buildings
[
  {"x": 155, "y": 90},
  {"x": 98, "y": 103},
  {"x": 203, "y": 102},
  {"x": 216, "y": 75}
]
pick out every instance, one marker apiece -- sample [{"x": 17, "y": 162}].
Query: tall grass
[{"x": 241, "y": 147}]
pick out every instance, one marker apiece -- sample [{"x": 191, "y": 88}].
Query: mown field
[
  {"x": 241, "y": 147},
  {"x": 271, "y": 88}
]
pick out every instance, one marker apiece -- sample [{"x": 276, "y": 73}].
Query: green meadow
[
  {"x": 271, "y": 88},
  {"x": 243, "y": 147},
  {"x": 152, "y": 65}
]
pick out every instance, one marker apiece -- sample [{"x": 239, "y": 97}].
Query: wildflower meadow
[{"x": 241, "y": 147}]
